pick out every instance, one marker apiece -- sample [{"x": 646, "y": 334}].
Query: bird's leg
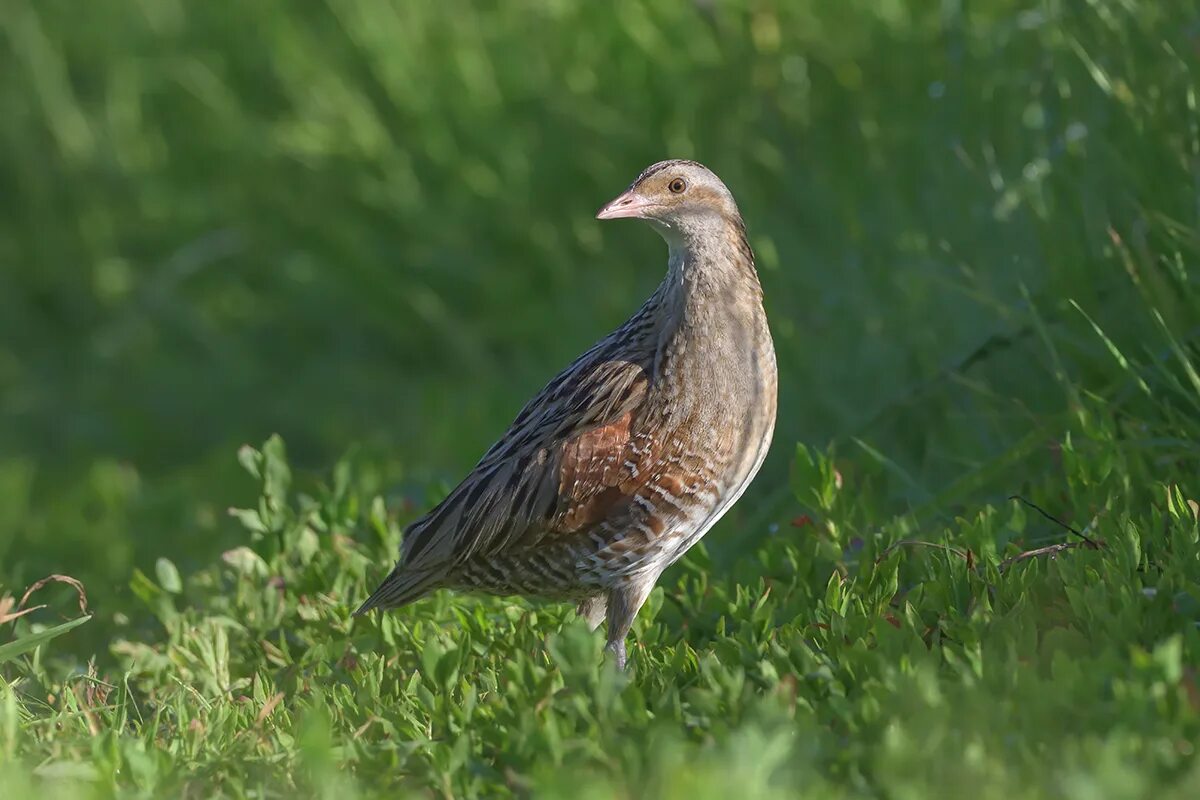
[
  {"x": 624, "y": 602},
  {"x": 618, "y": 651},
  {"x": 592, "y": 610}
]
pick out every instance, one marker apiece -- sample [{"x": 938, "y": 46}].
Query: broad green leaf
[{"x": 168, "y": 576}]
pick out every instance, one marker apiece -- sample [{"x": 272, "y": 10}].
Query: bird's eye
[{"x": 677, "y": 186}]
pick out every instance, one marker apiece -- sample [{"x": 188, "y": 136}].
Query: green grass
[{"x": 368, "y": 228}]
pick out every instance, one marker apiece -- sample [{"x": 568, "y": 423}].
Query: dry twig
[
  {"x": 1049, "y": 550},
  {"x": 7, "y": 614},
  {"x": 966, "y": 555},
  {"x": 1091, "y": 543}
]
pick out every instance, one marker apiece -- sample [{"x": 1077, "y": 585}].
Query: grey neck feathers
[
  {"x": 710, "y": 259},
  {"x": 709, "y": 303}
]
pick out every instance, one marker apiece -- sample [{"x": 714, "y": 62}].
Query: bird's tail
[{"x": 400, "y": 588}]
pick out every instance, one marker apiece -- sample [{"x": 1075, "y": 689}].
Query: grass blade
[{"x": 31, "y": 641}]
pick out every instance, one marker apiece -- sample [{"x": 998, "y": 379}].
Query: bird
[{"x": 630, "y": 455}]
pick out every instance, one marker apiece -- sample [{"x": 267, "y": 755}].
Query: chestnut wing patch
[
  {"x": 560, "y": 468},
  {"x": 598, "y": 471}
]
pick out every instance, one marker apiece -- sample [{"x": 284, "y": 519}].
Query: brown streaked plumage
[{"x": 626, "y": 458}]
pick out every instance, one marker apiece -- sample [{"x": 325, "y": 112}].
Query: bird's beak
[{"x": 627, "y": 205}]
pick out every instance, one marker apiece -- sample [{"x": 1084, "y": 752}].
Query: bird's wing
[
  {"x": 563, "y": 465},
  {"x": 571, "y": 455}
]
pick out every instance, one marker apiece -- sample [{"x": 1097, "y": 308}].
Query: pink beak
[{"x": 627, "y": 205}]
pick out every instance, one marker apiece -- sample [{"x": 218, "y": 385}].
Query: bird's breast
[{"x": 716, "y": 392}]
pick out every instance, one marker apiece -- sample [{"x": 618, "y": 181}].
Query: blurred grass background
[{"x": 372, "y": 223}]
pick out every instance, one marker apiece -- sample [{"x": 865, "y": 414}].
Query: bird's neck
[
  {"x": 711, "y": 263},
  {"x": 710, "y": 324}
]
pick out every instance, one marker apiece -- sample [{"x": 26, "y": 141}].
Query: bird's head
[{"x": 679, "y": 198}]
